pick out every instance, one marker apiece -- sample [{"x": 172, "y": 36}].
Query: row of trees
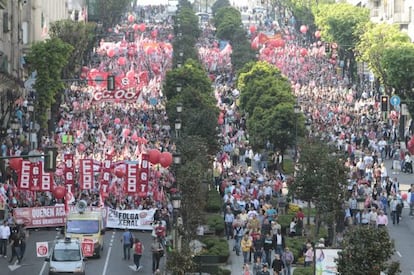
[{"x": 188, "y": 84}]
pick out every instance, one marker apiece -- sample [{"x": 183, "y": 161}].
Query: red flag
[
  {"x": 69, "y": 172},
  {"x": 23, "y": 181},
  {"x": 131, "y": 172},
  {"x": 143, "y": 176},
  {"x": 105, "y": 177},
  {"x": 97, "y": 78},
  {"x": 86, "y": 174},
  {"x": 262, "y": 38}
]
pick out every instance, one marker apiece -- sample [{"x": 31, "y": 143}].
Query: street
[
  {"x": 403, "y": 233},
  {"x": 111, "y": 261}
]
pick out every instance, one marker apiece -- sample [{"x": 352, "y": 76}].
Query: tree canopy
[
  {"x": 82, "y": 38},
  {"x": 366, "y": 251},
  {"x": 48, "y": 58},
  {"x": 266, "y": 96},
  {"x": 110, "y": 12}
]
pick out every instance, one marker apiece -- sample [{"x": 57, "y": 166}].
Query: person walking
[
  {"x": 15, "y": 247},
  {"x": 287, "y": 258},
  {"x": 277, "y": 265},
  {"x": 246, "y": 245},
  {"x": 138, "y": 249},
  {"x": 157, "y": 253},
  {"x": 22, "y": 236},
  {"x": 4, "y": 238},
  {"x": 127, "y": 240},
  {"x": 264, "y": 271}
]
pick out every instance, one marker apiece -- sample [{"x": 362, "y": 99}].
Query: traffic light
[
  {"x": 110, "y": 84},
  {"x": 384, "y": 103},
  {"x": 50, "y": 159}
]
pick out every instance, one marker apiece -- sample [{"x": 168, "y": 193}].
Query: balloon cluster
[{"x": 156, "y": 157}]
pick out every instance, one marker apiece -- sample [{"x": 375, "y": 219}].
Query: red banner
[
  {"x": 105, "y": 178},
  {"x": 48, "y": 216},
  {"x": 97, "y": 78},
  {"x": 23, "y": 182},
  {"x": 35, "y": 175},
  {"x": 143, "y": 176},
  {"x": 69, "y": 172},
  {"x": 86, "y": 174},
  {"x": 87, "y": 247},
  {"x": 131, "y": 172}
]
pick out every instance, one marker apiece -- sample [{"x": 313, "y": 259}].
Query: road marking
[
  {"x": 43, "y": 268},
  {"x": 109, "y": 253},
  {"x": 14, "y": 266},
  {"x": 399, "y": 254}
]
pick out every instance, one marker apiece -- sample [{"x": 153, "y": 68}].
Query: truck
[{"x": 86, "y": 226}]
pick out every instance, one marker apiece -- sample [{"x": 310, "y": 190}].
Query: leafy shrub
[
  {"x": 216, "y": 222},
  {"x": 215, "y": 247},
  {"x": 214, "y": 201},
  {"x": 303, "y": 270},
  {"x": 296, "y": 245}
]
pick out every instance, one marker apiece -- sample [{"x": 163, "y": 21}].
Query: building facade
[
  {"x": 24, "y": 22},
  {"x": 399, "y": 12}
]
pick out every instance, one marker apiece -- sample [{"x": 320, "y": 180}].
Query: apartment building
[
  {"x": 23, "y": 22},
  {"x": 399, "y": 12}
]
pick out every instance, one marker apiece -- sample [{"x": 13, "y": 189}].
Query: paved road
[
  {"x": 110, "y": 263},
  {"x": 403, "y": 233}
]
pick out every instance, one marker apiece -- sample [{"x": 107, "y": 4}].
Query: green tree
[
  {"x": 82, "y": 38},
  {"x": 218, "y": 5},
  {"x": 199, "y": 106},
  {"x": 398, "y": 64},
  {"x": 266, "y": 96},
  {"x": 48, "y": 58},
  {"x": 110, "y": 12},
  {"x": 366, "y": 251},
  {"x": 322, "y": 179},
  {"x": 374, "y": 41},
  {"x": 341, "y": 23}
]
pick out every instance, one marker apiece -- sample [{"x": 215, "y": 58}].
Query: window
[
  {"x": 82, "y": 226},
  {"x": 66, "y": 255}
]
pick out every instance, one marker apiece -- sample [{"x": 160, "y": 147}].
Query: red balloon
[
  {"x": 110, "y": 52},
  {"x": 318, "y": 34},
  {"x": 117, "y": 120},
  {"x": 154, "y": 156},
  {"x": 303, "y": 29},
  {"x": 119, "y": 172},
  {"x": 126, "y": 132},
  {"x": 16, "y": 164},
  {"x": 135, "y": 27},
  {"x": 154, "y": 33},
  {"x": 165, "y": 159},
  {"x": 142, "y": 27},
  {"x": 252, "y": 29},
  {"x": 134, "y": 136},
  {"x": 404, "y": 196},
  {"x": 59, "y": 192},
  {"x": 121, "y": 61},
  {"x": 170, "y": 36},
  {"x": 303, "y": 52},
  {"x": 131, "y": 18},
  {"x": 81, "y": 147}
]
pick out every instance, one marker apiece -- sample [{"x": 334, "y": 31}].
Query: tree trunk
[{"x": 308, "y": 216}]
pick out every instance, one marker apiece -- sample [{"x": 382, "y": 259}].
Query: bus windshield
[{"x": 82, "y": 226}]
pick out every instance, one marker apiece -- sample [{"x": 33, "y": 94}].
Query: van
[
  {"x": 86, "y": 226},
  {"x": 66, "y": 257}
]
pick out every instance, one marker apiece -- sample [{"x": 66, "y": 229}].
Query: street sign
[
  {"x": 42, "y": 249},
  {"x": 395, "y": 100}
]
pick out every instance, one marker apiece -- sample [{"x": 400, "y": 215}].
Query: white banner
[{"x": 131, "y": 219}]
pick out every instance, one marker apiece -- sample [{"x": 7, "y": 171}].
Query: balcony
[{"x": 401, "y": 18}]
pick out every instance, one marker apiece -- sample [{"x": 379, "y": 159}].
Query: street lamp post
[
  {"x": 296, "y": 109},
  {"x": 176, "y": 204},
  {"x": 30, "y": 109}
]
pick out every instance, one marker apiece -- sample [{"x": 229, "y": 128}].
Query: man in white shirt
[{"x": 4, "y": 238}]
